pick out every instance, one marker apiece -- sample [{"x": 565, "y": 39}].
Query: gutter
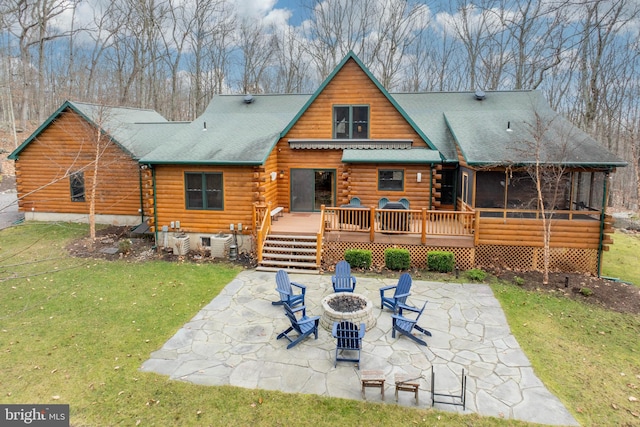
[
  {"x": 141, "y": 196},
  {"x": 431, "y": 187}
]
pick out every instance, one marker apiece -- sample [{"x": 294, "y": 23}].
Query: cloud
[{"x": 254, "y": 8}]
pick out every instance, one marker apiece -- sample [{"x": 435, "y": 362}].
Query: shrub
[
  {"x": 476, "y": 275},
  {"x": 518, "y": 280},
  {"x": 397, "y": 259},
  {"x": 124, "y": 246},
  {"x": 441, "y": 261},
  {"x": 358, "y": 258},
  {"x": 586, "y": 292}
]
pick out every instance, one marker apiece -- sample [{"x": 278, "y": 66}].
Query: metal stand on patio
[{"x": 454, "y": 399}]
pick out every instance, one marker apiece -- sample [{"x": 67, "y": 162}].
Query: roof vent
[
  {"x": 248, "y": 98},
  {"x": 480, "y": 95}
]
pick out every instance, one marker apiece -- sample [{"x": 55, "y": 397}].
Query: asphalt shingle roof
[
  {"x": 245, "y": 133},
  {"x": 236, "y": 132},
  {"x": 138, "y": 131}
]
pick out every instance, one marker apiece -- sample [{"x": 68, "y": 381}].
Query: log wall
[
  {"x": 68, "y": 145},
  {"x": 351, "y": 86},
  {"x": 241, "y": 185},
  {"x": 576, "y": 233}
]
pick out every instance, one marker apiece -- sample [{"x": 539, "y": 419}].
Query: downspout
[
  {"x": 155, "y": 206},
  {"x": 431, "y": 186},
  {"x": 141, "y": 195},
  {"x": 605, "y": 190}
]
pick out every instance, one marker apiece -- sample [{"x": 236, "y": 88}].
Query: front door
[{"x": 311, "y": 188}]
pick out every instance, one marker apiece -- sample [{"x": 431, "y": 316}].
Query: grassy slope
[
  {"x": 76, "y": 331},
  {"x": 588, "y": 357},
  {"x": 622, "y": 260}
]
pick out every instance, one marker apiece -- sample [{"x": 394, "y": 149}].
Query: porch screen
[
  {"x": 519, "y": 190},
  {"x": 588, "y": 190}
]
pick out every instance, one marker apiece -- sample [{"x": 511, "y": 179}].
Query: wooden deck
[
  {"x": 308, "y": 223},
  {"x": 301, "y": 223}
]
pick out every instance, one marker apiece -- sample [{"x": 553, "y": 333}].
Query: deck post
[
  {"x": 476, "y": 229},
  {"x": 372, "y": 221},
  {"x": 254, "y": 216},
  {"x": 320, "y": 236}
]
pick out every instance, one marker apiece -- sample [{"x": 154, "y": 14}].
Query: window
[
  {"x": 465, "y": 188},
  {"x": 351, "y": 122},
  {"x": 204, "y": 190},
  {"x": 391, "y": 180},
  {"x": 76, "y": 186}
]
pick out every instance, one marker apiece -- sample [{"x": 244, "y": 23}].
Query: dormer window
[{"x": 351, "y": 122}]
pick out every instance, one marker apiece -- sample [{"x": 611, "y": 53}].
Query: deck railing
[
  {"x": 262, "y": 221},
  {"x": 422, "y": 222},
  {"x": 320, "y": 237},
  {"x": 537, "y": 214}
]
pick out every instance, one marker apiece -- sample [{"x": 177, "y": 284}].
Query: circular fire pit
[{"x": 340, "y": 306}]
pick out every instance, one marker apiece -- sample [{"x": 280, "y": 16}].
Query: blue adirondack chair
[
  {"x": 300, "y": 323},
  {"x": 400, "y": 293},
  {"x": 343, "y": 281},
  {"x": 349, "y": 339},
  {"x": 405, "y": 325},
  {"x": 285, "y": 288}
]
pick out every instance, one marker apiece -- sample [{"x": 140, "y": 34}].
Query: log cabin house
[{"x": 298, "y": 179}]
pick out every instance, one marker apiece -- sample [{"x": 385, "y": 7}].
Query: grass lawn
[
  {"x": 76, "y": 330},
  {"x": 621, "y": 261}
]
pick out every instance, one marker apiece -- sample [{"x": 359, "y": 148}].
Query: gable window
[
  {"x": 391, "y": 179},
  {"x": 203, "y": 190},
  {"x": 76, "y": 186},
  {"x": 351, "y": 122}
]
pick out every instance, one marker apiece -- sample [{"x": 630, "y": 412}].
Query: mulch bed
[{"x": 609, "y": 294}]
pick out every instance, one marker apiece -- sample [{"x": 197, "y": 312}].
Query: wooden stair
[{"x": 294, "y": 253}]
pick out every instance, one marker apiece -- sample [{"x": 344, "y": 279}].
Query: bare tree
[
  {"x": 602, "y": 21},
  {"x": 292, "y": 63},
  {"x": 30, "y": 23},
  {"x": 337, "y": 27},
  {"x": 472, "y": 25},
  {"x": 399, "y": 24},
  {"x": 174, "y": 40},
  {"x": 257, "y": 46},
  {"x": 536, "y": 39},
  {"x": 547, "y": 149},
  {"x": 210, "y": 43}
]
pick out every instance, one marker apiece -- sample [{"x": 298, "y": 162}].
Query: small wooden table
[
  {"x": 403, "y": 383},
  {"x": 372, "y": 379}
]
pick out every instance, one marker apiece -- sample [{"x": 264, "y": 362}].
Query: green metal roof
[
  {"x": 404, "y": 156},
  {"x": 230, "y": 131}
]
